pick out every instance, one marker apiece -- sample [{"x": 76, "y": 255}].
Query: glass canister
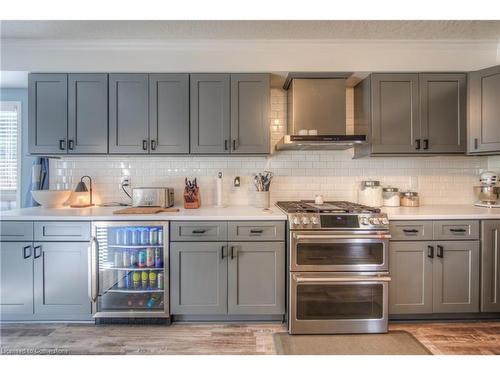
[
  {"x": 390, "y": 196},
  {"x": 410, "y": 199},
  {"x": 370, "y": 193}
]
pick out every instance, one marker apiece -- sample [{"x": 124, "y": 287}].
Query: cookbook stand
[{"x": 192, "y": 199}]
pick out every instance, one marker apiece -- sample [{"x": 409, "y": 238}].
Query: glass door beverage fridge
[{"x": 129, "y": 269}]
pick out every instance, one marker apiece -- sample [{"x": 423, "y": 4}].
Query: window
[{"x": 10, "y": 130}]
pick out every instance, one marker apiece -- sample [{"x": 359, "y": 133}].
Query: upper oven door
[{"x": 339, "y": 251}]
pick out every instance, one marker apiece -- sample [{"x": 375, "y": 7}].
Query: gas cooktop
[{"x": 326, "y": 207}]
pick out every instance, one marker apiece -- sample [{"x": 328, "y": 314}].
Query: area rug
[{"x": 392, "y": 343}]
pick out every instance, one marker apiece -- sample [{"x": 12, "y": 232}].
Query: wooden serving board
[{"x": 144, "y": 210}]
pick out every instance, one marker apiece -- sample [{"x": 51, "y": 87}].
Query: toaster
[{"x": 152, "y": 197}]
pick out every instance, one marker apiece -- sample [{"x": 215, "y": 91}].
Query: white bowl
[{"x": 51, "y": 198}]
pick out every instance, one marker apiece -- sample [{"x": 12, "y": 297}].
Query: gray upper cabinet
[
  {"x": 490, "y": 266},
  {"x": 48, "y": 113},
  {"x": 61, "y": 279},
  {"x": 198, "y": 278},
  {"x": 395, "y": 116},
  {"x": 256, "y": 278},
  {"x": 410, "y": 290},
  {"x": 443, "y": 99},
  {"x": 484, "y": 111},
  {"x": 456, "y": 277},
  {"x": 210, "y": 113},
  {"x": 169, "y": 113},
  {"x": 128, "y": 114},
  {"x": 88, "y": 113},
  {"x": 250, "y": 113},
  {"x": 16, "y": 280}
]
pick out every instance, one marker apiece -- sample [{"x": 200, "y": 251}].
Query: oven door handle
[
  {"x": 300, "y": 279},
  {"x": 341, "y": 237}
]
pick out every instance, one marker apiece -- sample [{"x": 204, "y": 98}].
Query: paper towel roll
[{"x": 219, "y": 189}]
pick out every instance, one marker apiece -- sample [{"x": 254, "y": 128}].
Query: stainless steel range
[{"x": 338, "y": 268}]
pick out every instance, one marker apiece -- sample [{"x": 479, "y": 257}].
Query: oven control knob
[
  {"x": 305, "y": 220},
  {"x": 385, "y": 221},
  {"x": 376, "y": 221},
  {"x": 364, "y": 220},
  {"x": 314, "y": 220},
  {"x": 296, "y": 220}
]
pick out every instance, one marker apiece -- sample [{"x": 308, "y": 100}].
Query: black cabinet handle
[
  {"x": 39, "y": 247},
  {"x": 226, "y": 144},
  {"x": 234, "y": 144},
  {"x": 459, "y": 230},
  {"x": 256, "y": 231},
  {"x": 232, "y": 252},
  {"x": 198, "y": 231},
  {"x": 71, "y": 144},
  {"x": 430, "y": 251},
  {"x": 62, "y": 144},
  {"x": 153, "y": 144},
  {"x": 417, "y": 141},
  {"x": 24, "y": 252},
  {"x": 410, "y": 230},
  {"x": 144, "y": 144},
  {"x": 440, "y": 252},
  {"x": 222, "y": 251},
  {"x": 426, "y": 144},
  {"x": 476, "y": 143}
]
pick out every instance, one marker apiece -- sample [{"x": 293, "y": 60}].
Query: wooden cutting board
[{"x": 144, "y": 210}]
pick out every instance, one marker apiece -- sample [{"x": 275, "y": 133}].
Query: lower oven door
[{"x": 326, "y": 302}]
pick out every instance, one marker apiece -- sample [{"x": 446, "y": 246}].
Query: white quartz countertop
[
  {"x": 441, "y": 212},
  {"x": 106, "y": 213}
]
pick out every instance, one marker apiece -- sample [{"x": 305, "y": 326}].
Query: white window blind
[{"x": 10, "y": 122}]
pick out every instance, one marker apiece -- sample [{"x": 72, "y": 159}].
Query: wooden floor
[{"x": 440, "y": 338}]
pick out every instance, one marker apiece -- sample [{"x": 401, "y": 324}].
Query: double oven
[{"x": 338, "y": 274}]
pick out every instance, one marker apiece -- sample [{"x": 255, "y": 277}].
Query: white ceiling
[{"x": 252, "y": 30}]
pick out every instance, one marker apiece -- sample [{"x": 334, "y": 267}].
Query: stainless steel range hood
[{"x": 317, "y": 104}]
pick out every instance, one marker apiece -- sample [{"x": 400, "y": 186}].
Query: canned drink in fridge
[
  {"x": 160, "y": 280},
  {"x": 144, "y": 236},
  {"x": 141, "y": 259},
  {"x": 128, "y": 280},
  {"x": 160, "y": 236},
  {"x": 125, "y": 258},
  {"x": 133, "y": 258},
  {"x": 118, "y": 260},
  {"x": 150, "y": 257},
  {"x": 136, "y": 280},
  {"x": 145, "y": 279},
  {"x": 152, "y": 279},
  {"x": 121, "y": 279},
  {"x": 158, "y": 258},
  {"x": 153, "y": 236},
  {"x": 135, "y": 237},
  {"x": 119, "y": 237}
]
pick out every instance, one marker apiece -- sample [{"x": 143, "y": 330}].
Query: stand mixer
[{"x": 488, "y": 194}]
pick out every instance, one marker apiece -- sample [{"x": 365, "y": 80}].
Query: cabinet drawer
[
  {"x": 198, "y": 231},
  {"x": 16, "y": 230},
  {"x": 411, "y": 230},
  {"x": 256, "y": 231},
  {"x": 62, "y": 231},
  {"x": 456, "y": 229}
]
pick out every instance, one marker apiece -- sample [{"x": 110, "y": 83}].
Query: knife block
[{"x": 193, "y": 201}]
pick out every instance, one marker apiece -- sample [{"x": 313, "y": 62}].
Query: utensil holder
[
  {"x": 261, "y": 199},
  {"x": 192, "y": 200}
]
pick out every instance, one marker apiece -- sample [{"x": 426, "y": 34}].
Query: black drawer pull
[
  {"x": 417, "y": 141},
  {"x": 232, "y": 252},
  {"x": 153, "y": 144},
  {"x": 454, "y": 230},
  {"x": 440, "y": 252},
  {"x": 62, "y": 144},
  {"x": 198, "y": 231},
  {"x": 410, "y": 230},
  {"x": 39, "y": 247},
  {"x": 256, "y": 231},
  {"x": 144, "y": 144},
  {"x": 71, "y": 144},
  {"x": 24, "y": 252},
  {"x": 426, "y": 144},
  {"x": 430, "y": 251}
]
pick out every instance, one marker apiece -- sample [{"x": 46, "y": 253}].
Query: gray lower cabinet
[
  {"x": 47, "y": 113},
  {"x": 456, "y": 277},
  {"x": 256, "y": 278},
  {"x": 61, "y": 279},
  {"x": 210, "y": 113},
  {"x": 88, "y": 113},
  {"x": 490, "y": 266},
  {"x": 169, "y": 113},
  {"x": 410, "y": 289},
  {"x": 198, "y": 278},
  {"x": 128, "y": 113},
  {"x": 250, "y": 114},
  {"x": 16, "y": 280},
  {"x": 484, "y": 112}
]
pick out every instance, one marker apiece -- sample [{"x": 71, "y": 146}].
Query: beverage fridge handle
[{"x": 93, "y": 275}]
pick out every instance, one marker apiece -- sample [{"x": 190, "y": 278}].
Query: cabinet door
[
  {"x": 250, "y": 114},
  {"x": 16, "y": 280},
  {"x": 169, "y": 113},
  {"x": 410, "y": 290},
  {"x": 88, "y": 113},
  {"x": 198, "y": 278},
  {"x": 61, "y": 279},
  {"x": 48, "y": 113},
  {"x": 490, "y": 266},
  {"x": 456, "y": 277},
  {"x": 128, "y": 114},
  {"x": 395, "y": 113},
  {"x": 256, "y": 278},
  {"x": 484, "y": 111},
  {"x": 210, "y": 125},
  {"x": 442, "y": 112}
]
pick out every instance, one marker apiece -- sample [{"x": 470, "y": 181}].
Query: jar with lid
[
  {"x": 370, "y": 193},
  {"x": 390, "y": 196},
  {"x": 410, "y": 199}
]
